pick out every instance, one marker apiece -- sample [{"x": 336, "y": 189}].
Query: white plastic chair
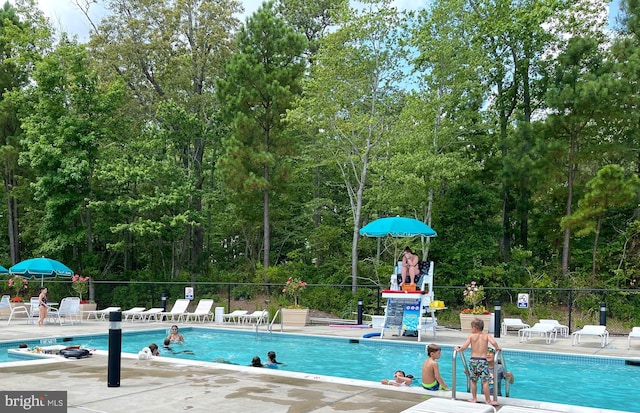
[
  {"x": 257, "y": 317},
  {"x": 101, "y": 314},
  {"x": 235, "y": 316},
  {"x": 591, "y": 330},
  {"x": 562, "y": 329},
  {"x": 513, "y": 323},
  {"x": 177, "y": 311},
  {"x": 546, "y": 330},
  {"x": 132, "y": 312},
  {"x": 635, "y": 332},
  {"x": 5, "y": 304},
  {"x": 201, "y": 313},
  {"x": 68, "y": 311}
]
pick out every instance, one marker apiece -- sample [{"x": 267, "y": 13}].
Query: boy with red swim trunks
[{"x": 478, "y": 365}]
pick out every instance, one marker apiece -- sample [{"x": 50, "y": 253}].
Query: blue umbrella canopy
[
  {"x": 41, "y": 268},
  {"x": 3, "y": 270},
  {"x": 397, "y": 227}
]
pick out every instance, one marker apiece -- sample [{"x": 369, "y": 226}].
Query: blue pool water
[{"x": 599, "y": 382}]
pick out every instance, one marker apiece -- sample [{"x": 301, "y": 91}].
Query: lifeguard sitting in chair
[{"x": 410, "y": 267}]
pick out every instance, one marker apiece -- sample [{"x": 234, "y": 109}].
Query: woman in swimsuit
[
  {"x": 42, "y": 306},
  {"x": 174, "y": 337}
]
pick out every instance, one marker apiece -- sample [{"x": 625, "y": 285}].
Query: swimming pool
[{"x": 599, "y": 382}]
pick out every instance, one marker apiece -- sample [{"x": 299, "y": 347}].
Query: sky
[{"x": 65, "y": 15}]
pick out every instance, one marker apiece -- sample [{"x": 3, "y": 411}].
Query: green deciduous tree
[{"x": 352, "y": 98}]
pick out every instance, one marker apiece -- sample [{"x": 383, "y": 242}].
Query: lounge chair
[
  {"x": 547, "y": 330},
  {"x": 513, "y": 323},
  {"x": 201, "y": 313},
  {"x": 635, "y": 332},
  {"x": 591, "y": 330},
  {"x": 562, "y": 329},
  {"x": 132, "y": 312},
  {"x": 68, "y": 311},
  {"x": 177, "y": 311},
  {"x": 101, "y": 314},
  {"x": 235, "y": 316},
  {"x": 5, "y": 304},
  {"x": 147, "y": 315},
  {"x": 257, "y": 317}
]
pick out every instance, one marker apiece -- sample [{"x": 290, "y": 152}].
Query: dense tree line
[{"x": 180, "y": 143}]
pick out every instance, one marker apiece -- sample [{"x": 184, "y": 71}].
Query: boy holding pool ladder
[{"x": 478, "y": 364}]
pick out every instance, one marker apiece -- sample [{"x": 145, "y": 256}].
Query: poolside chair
[
  {"x": 257, "y": 317},
  {"x": 101, "y": 314},
  {"x": 201, "y": 313},
  {"x": 591, "y": 330},
  {"x": 234, "y": 316},
  {"x": 34, "y": 310},
  {"x": 68, "y": 311},
  {"x": 635, "y": 332},
  {"x": 5, "y": 306},
  {"x": 132, "y": 312},
  {"x": 513, "y": 323},
  {"x": 562, "y": 329},
  {"x": 547, "y": 330},
  {"x": 147, "y": 315},
  {"x": 177, "y": 311}
]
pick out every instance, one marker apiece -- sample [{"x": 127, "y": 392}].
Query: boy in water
[
  {"x": 497, "y": 372},
  {"x": 431, "y": 378},
  {"x": 399, "y": 379},
  {"x": 478, "y": 365}
]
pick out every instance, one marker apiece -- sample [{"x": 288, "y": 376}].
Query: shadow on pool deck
[{"x": 164, "y": 385}]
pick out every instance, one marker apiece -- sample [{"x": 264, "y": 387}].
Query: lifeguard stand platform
[{"x": 411, "y": 310}]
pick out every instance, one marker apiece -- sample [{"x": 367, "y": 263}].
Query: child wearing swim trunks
[
  {"x": 431, "y": 378},
  {"x": 478, "y": 365}
]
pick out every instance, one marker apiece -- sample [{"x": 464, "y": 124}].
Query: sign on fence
[{"x": 523, "y": 300}]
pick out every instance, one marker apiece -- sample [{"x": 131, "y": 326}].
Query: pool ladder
[{"x": 500, "y": 359}]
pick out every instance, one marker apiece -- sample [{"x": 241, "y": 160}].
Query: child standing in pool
[
  {"x": 431, "y": 378},
  {"x": 478, "y": 365},
  {"x": 497, "y": 372}
]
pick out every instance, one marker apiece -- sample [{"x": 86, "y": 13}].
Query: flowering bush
[
  {"x": 473, "y": 296},
  {"x": 16, "y": 299},
  {"x": 80, "y": 284},
  {"x": 19, "y": 283},
  {"x": 294, "y": 288}
]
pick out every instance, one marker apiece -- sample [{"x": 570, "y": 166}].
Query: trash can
[{"x": 219, "y": 315}]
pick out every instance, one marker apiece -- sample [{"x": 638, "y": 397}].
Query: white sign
[
  {"x": 523, "y": 300},
  {"x": 188, "y": 293}
]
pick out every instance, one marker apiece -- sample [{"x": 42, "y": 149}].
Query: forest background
[{"x": 180, "y": 144}]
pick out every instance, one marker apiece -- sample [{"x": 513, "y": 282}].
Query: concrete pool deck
[{"x": 163, "y": 385}]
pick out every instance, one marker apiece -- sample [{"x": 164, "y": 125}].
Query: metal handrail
[
  {"x": 453, "y": 373},
  {"x": 273, "y": 320},
  {"x": 500, "y": 356}
]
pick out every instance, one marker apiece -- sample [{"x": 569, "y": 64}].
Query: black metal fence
[{"x": 572, "y": 307}]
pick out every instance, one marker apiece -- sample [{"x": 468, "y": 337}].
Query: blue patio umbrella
[
  {"x": 3, "y": 270},
  {"x": 41, "y": 268},
  {"x": 397, "y": 227}
]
